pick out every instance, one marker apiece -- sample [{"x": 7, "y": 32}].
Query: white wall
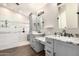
[{"x": 50, "y": 17}]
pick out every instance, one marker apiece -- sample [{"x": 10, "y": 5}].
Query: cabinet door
[
  {"x": 66, "y": 49},
  {"x": 71, "y": 49},
  {"x": 37, "y": 46},
  {"x": 59, "y": 48}
]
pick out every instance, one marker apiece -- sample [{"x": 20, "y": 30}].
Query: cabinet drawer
[
  {"x": 49, "y": 42},
  {"x": 48, "y": 51}
]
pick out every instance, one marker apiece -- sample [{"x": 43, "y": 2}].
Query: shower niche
[{"x": 12, "y": 26}]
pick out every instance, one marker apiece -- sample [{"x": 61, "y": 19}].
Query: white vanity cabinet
[
  {"x": 54, "y": 47},
  {"x": 36, "y": 45},
  {"x": 61, "y": 47},
  {"x": 49, "y": 48},
  {"x": 66, "y": 49}
]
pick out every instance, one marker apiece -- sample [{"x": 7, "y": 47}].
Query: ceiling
[{"x": 24, "y": 8}]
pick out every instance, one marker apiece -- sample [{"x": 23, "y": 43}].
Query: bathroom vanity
[
  {"x": 35, "y": 42},
  {"x": 62, "y": 46},
  {"x": 56, "y": 45},
  {"x": 36, "y": 45}
]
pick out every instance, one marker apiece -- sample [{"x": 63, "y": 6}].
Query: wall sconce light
[{"x": 17, "y": 4}]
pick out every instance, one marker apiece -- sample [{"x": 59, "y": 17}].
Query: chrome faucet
[{"x": 64, "y": 33}]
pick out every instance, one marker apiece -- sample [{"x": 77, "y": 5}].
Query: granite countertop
[
  {"x": 72, "y": 40},
  {"x": 41, "y": 39}
]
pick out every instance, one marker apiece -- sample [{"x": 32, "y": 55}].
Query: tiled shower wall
[{"x": 12, "y": 35}]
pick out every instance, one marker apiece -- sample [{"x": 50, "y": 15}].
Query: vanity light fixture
[
  {"x": 42, "y": 12},
  {"x": 59, "y": 3},
  {"x": 17, "y": 4}
]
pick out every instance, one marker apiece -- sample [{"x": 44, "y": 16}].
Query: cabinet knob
[
  {"x": 69, "y": 42},
  {"x": 48, "y": 42}
]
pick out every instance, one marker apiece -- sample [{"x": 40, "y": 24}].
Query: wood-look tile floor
[{"x": 21, "y": 51}]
